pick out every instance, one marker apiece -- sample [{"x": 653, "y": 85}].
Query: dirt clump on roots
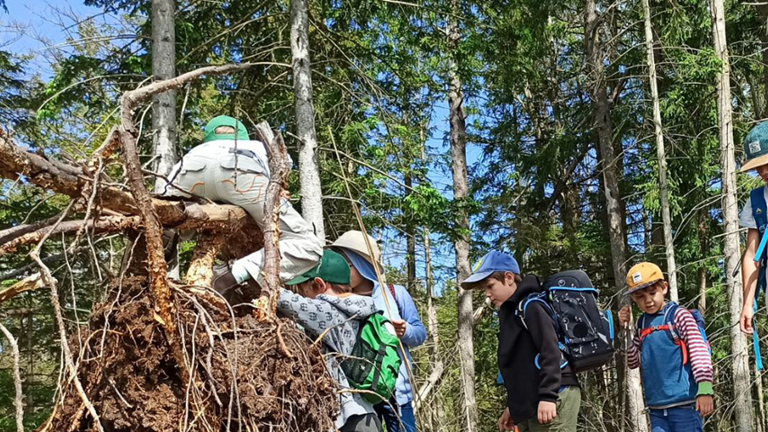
[{"x": 240, "y": 376}]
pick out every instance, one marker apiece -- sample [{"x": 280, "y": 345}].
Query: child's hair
[
  {"x": 224, "y": 130},
  {"x": 499, "y": 276}
]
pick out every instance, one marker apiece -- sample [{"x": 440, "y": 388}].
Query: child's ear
[
  {"x": 509, "y": 278},
  {"x": 320, "y": 286},
  {"x": 665, "y": 288}
]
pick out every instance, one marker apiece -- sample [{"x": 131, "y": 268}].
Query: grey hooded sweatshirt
[{"x": 343, "y": 315}]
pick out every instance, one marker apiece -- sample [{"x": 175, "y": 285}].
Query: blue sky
[{"x": 30, "y": 26}]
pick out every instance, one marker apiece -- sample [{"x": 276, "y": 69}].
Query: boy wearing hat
[
  {"x": 671, "y": 352},
  {"x": 754, "y": 217},
  {"x": 324, "y": 306},
  {"x": 396, "y": 303},
  {"x": 543, "y": 396},
  {"x": 230, "y": 167}
]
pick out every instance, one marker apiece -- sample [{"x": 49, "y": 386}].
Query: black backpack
[{"x": 586, "y": 333}]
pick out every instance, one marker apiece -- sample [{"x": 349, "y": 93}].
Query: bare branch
[
  {"x": 18, "y": 401},
  {"x": 134, "y": 97},
  {"x": 278, "y": 168},
  {"x": 104, "y": 225},
  {"x": 29, "y": 283}
]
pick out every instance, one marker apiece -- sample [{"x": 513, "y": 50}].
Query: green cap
[
  {"x": 333, "y": 268},
  {"x": 210, "y": 129},
  {"x": 756, "y": 147}
]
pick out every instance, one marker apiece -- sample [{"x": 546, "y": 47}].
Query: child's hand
[
  {"x": 547, "y": 412},
  {"x": 745, "y": 321},
  {"x": 705, "y": 405},
  {"x": 625, "y": 316},
  {"x": 505, "y": 421},
  {"x": 399, "y": 327}
]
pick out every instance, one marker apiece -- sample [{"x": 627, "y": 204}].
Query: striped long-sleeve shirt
[{"x": 698, "y": 350}]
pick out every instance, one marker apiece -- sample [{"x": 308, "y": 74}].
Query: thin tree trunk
[
  {"x": 731, "y": 249},
  {"x": 410, "y": 240},
  {"x": 163, "y": 104},
  {"x": 309, "y": 169},
  {"x": 702, "y": 272},
  {"x": 431, "y": 308},
  {"x": 760, "y": 401},
  {"x": 762, "y": 11},
  {"x": 18, "y": 400},
  {"x": 461, "y": 192},
  {"x": 662, "y": 157},
  {"x": 613, "y": 200}
]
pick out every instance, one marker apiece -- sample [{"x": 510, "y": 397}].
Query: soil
[{"x": 240, "y": 376}]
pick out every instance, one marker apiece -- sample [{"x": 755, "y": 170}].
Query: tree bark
[
  {"x": 431, "y": 308},
  {"x": 762, "y": 12},
  {"x": 163, "y": 104},
  {"x": 309, "y": 169},
  {"x": 731, "y": 248},
  {"x": 661, "y": 156},
  {"x": 702, "y": 272},
  {"x": 410, "y": 239},
  {"x": 279, "y": 169},
  {"x": 18, "y": 400},
  {"x": 461, "y": 192},
  {"x": 613, "y": 200}
]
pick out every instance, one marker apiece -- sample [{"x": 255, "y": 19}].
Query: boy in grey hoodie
[{"x": 323, "y": 305}]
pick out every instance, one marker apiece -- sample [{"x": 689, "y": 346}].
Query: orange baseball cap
[{"x": 642, "y": 276}]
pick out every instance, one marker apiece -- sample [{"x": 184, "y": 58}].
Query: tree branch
[
  {"x": 29, "y": 283},
  {"x": 278, "y": 169},
  {"x": 18, "y": 401},
  {"x": 102, "y": 225},
  {"x": 141, "y": 94}
]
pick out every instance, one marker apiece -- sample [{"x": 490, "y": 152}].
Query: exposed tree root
[{"x": 241, "y": 380}]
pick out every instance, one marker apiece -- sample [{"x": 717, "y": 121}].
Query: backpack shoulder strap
[
  {"x": 669, "y": 315},
  {"x": 759, "y": 208},
  {"x": 539, "y": 298}
]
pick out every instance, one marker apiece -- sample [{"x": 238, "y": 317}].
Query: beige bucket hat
[{"x": 354, "y": 240}]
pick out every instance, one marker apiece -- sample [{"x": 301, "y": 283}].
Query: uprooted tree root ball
[{"x": 240, "y": 377}]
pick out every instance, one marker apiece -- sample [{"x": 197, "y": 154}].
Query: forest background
[{"x": 575, "y": 155}]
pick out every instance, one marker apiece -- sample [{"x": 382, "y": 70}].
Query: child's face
[
  {"x": 499, "y": 291},
  {"x": 762, "y": 171},
  {"x": 650, "y": 300},
  {"x": 306, "y": 289}
]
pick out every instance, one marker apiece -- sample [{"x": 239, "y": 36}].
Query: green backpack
[{"x": 373, "y": 364}]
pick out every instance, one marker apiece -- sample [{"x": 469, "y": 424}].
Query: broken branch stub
[{"x": 278, "y": 169}]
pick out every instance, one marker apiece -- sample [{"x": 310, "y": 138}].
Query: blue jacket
[{"x": 415, "y": 332}]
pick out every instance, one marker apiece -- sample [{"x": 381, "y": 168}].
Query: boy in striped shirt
[{"x": 672, "y": 354}]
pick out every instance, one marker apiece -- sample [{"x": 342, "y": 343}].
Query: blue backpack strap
[
  {"x": 669, "y": 319},
  {"x": 537, "y": 298},
  {"x": 760, "y": 214}
]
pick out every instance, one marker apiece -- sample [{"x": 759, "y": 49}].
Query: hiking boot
[{"x": 224, "y": 282}]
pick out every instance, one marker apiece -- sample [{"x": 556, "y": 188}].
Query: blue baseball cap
[{"x": 492, "y": 262}]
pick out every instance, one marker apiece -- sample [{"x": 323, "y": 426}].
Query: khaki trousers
[
  {"x": 568, "y": 404},
  {"x": 214, "y": 177}
]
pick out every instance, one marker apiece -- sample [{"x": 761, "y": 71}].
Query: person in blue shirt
[{"x": 398, "y": 306}]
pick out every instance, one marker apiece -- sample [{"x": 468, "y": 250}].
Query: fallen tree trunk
[{"x": 73, "y": 181}]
